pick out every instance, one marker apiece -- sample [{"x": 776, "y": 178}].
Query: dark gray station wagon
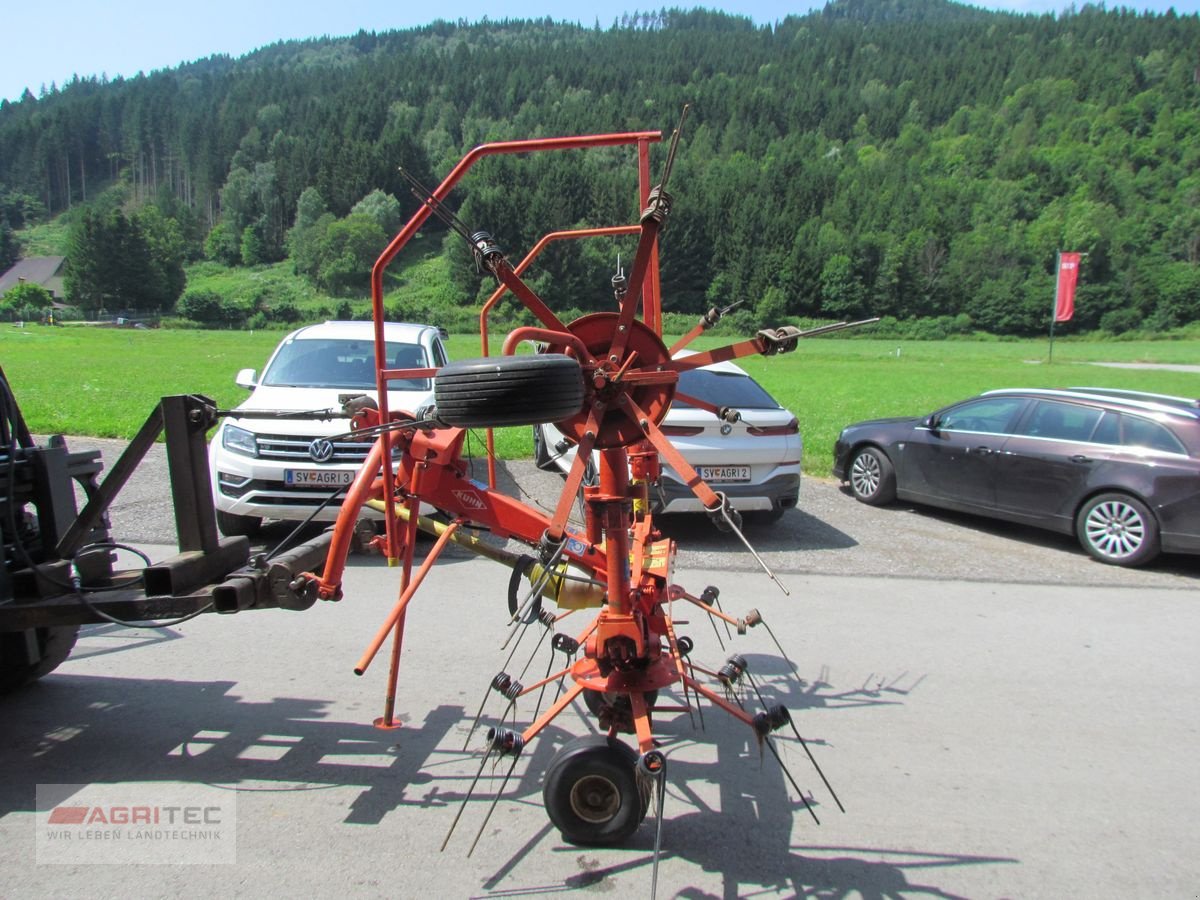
[{"x": 1119, "y": 469}]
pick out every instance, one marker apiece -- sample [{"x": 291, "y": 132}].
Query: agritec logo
[{"x": 118, "y": 824}]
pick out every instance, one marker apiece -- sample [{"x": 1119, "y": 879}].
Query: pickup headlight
[{"x": 239, "y": 440}]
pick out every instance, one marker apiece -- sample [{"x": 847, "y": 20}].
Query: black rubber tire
[
  {"x": 1118, "y": 529},
  {"x": 591, "y": 792},
  {"x": 508, "y": 390},
  {"x": 543, "y": 456},
  {"x": 872, "y": 477},
  {"x": 233, "y": 525},
  {"x": 55, "y": 644}
]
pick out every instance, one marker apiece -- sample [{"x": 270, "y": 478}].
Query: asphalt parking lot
[{"x": 1001, "y": 716}]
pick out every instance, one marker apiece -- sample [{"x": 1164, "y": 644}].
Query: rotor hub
[{"x": 618, "y": 382}]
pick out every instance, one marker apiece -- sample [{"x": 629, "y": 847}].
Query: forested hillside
[{"x": 906, "y": 158}]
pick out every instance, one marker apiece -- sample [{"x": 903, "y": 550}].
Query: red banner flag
[{"x": 1064, "y": 293}]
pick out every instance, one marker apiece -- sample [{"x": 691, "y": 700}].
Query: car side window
[
  {"x": 1060, "y": 421},
  {"x": 1109, "y": 429},
  {"x": 439, "y": 354},
  {"x": 990, "y": 415},
  {"x": 1139, "y": 432}
]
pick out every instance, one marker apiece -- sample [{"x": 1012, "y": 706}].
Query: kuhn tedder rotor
[{"x": 606, "y": 380}]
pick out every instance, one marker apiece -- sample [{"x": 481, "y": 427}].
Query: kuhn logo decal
[{"x": 470, "y": 499}]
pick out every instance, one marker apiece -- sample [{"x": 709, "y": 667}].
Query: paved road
[
  {"x": 986, "y": 741},
  {"x": 1170, "y": 367},
  {"x": 990, "y": 734}
]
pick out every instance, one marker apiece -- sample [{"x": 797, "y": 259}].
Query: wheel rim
[
  {"x": 595, "y": 798},
  {"x": 864, "y": 474},
  {"x": 1115, "y": 529}
]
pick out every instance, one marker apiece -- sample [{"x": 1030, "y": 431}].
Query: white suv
[{"x": 261, "y": 467}]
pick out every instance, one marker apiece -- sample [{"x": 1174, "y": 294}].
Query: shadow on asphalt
[
  {"x": 129, "y": 730},
  {"x": 117, "y": 730},
  {"x": 743, "y": 835}
]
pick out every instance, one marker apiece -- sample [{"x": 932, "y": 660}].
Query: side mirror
[
  {"x": 933, "y": 422},
  {"x": 247, "y": 378}
]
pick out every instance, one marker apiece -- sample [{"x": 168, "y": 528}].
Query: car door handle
[
  {"x": 1080, "y": 458},
  {"x": 983, "y": 451}
]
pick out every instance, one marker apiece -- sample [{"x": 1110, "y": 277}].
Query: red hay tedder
[{"x": 606, "y": 380}]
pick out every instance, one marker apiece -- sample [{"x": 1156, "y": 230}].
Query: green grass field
[{"x": 104, "y": 382}]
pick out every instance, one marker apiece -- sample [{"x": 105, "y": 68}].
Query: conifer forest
[{"x": 915, "y": 159}]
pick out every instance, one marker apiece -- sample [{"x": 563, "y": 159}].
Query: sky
[{"x": 124, "y": 37}]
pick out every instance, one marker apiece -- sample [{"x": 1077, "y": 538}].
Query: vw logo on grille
[
  {"x": 320, "y": 450},
  {"x": 726, "y": 428}
]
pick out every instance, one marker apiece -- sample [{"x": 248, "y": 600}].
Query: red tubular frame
[
  {"x": 630, "y": 647},
  {"x": 440, "y": 193}
]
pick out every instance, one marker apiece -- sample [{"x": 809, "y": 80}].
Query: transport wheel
[
  {"x": 54, "y": 645},
  {"x": 233, "y": 525},
  {"x": 591, "y": 791},
  {"x": 508, "y": 390},
  {"x": 1118, "y": 529},
  {"x": 872, "y": 478}
]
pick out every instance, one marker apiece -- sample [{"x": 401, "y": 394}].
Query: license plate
[
  {"x": 724, "y": 474},
  {"x": 317, "y": 477}
]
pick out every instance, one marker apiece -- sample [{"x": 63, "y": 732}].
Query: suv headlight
[{"x": 239, "y": 440}]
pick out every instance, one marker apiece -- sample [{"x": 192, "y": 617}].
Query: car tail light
[
  {"x": 681, "y": 430},
  {"x": 792, "y": 427}
]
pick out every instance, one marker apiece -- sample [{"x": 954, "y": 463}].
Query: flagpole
[{"x": 1054, "y": 307}]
